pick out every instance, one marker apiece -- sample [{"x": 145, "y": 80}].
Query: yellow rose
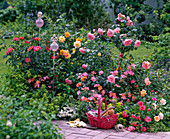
[
  {"x": 77, "y": 44},
  {"x": 62, "y": 39},
  {"x": 78, "y": 39},
  {"x": 99, "y": 54},
  {"x": 143, "y": 93},
  {"x": 67, "y": 34}
]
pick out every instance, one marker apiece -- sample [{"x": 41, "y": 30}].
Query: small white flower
[
  {"x": 8, "y": 123},
  {"x": 7, "y": 137}
]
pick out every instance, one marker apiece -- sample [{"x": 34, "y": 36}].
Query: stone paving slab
[{"x": 83, "y": 133}]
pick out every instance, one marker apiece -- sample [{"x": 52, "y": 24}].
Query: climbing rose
[
  {"x": 146, "y": 65},
  {"x": 90, "y": 36},
  {"x": 140, "y": 103},
  {"x": 101, "y": 72},
  {"x": 163, "y": 101},
  {"x": 142, "y": 108},
  {"x": 93, "y": 79},
  {"x": 127, "y": 42},
  {"x": 68, "y": 81},
  {"x": 37, "y": 48},
  {"x": 143, "y": 129},
  {"x": 131, "y": 128}
]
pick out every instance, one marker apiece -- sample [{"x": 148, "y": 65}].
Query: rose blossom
[
  {"x": 84, "y": 66},
  {"x": 127, "y": 42},
  {"x": 140, "y": 103},
  {"x": 131, "y": 128},
  {"x": 138, "y": 118},
  {"x": 93, "y": 79},
  {"x": 116, "y": 30},
  {"x": 143, "y": 93},
  {"x": 137, "y": 43},
  {"x": 129, "y": 23},
  {"x": 110, "y": 33},
  {"x": 111, "y": 79},
  {"x": 82, "y": 50},
  {"x": 78, "y": 92},
  {"x": 147, "y": 119},
  {"x": 146, "y": 65},
  {"x": 154, "y": 106},
  {"x": 157, "y": 118},
  {"x": 148, "y": 109},
  {"x": 100, "y": 31},
  {"x": 124, "y": 114},
  {"x": 101, "y": 72},
  {"x": 142, "y": 108},
  {"x": 133, "y": 116},
  {"x": 37, "y": 48},
  {"x": 153, "y": 99},
  {"x": 161, "y": 116},
  {"x": 163, "y": 101},
  {"x": 15, "y": 39},
  {"x": 143, "y": 129},
  {"x": 147, "y": 82},
  {"x": 120, "y": 55},
  {"x": 28, "y": 59},
  {"x": 68, "y": 81},
  {"x": 90, "y": 36},
  {"x": 132, "y": 81}
]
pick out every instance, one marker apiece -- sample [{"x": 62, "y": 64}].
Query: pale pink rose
[
  {"x": 163, "y": 101},
  {"x": 129, "y": 23},
  {"x": 86, "y": 88},
  {"x": 146, "y": 65},
  {"x": 103, "y": 92},
  {"x": 128, "y": 18},
  {"x": 121, "y": 17},
  {"x": 68, "y": 81},
  {"x": 123, "y": 76},
  {"x": 137, "y": 43},
  {"x": 93, "y": 79},
  {"x": 101, "y": 72},
  {"x": 94, "y": 30},
  {"x": 127, "y": 42},
  {"x": 93, "y": 72},
  {"x": 95, "y": 95},
  {"x": 111, "y": 79},
  {"x": 147, "y": 82},
  {"x": 91, "y": 98},
  {"x": 82, "y": 50},
  {"x": 131, "y": 73},
  {"x": 117, "y": 30},
  {"x": 78, "y": 92},
  {"x": 110, "y": 33},
  {"x": 90, "y": 36},
  {"x": 161, "y": 116},
  {"x": 100, "y": 31},
  {"x": 84, "y": 66},
  {"x": 126, "y": 73},
  {"x": 96, "y": 85},
  {"x": 114, "y": 73}
]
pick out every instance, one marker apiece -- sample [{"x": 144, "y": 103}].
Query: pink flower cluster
[
  {"x": 9, "y": 50},
  {"x": 124, "y": 114},
  {"x": 90, "y": 36},
  {"x": 68, "y": 81}
]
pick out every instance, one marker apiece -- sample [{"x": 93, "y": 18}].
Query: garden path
[{"x": 83, "y": 133}]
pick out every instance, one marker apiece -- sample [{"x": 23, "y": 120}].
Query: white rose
[{"x": 8, "y": 123}]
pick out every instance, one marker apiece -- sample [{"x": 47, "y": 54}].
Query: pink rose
[
  {"x": 147, "y": 82},
  {"x": 68, "y": 81},
  {"x": 131, "y": 128},
  {"x": 90, "y": 36},
  {"x": 147, "y": 119},
  {"x": 117, "y": 30},
  {"x": 127, "y": 42},
  {"x": 124, "y": 114},
  {"x": 132, "y": 81},
  {"x": 140, "y": 103},
  {"x": 146, "y": 65},
  {"x": 129, "y": 23},
  {"x": 101, "y": 72},
  {"x": 120, "y": 55},
  {"x": 15, "y": 39},
  {"x": 138, "y": 118},
  {"x": 163, "y": 101},
  {"x": 100, "y": 31},
  {"x": 82, "y": 50},
  {"x": 93, "y": 79},
  {"x": 111, "y": 79},
  {"x": 28, "y": 59},
  {"x": 143, "y": 129},
  {"x": 110, "y": 33},
  {"x": 37, "y": 48},
  {"x": 121, "y": 17},
  {"x": 133, "y": 116},
  {"x": 137, "y": 43},
  {"x": 78, "y": 92},
  {"x": 153, "y": 99},
  {"x": 142, "y": 108},
  {"x": 85, "y": 74},
  {"x": 84, "y": 66},
  {"x": 148, "y": 109}
]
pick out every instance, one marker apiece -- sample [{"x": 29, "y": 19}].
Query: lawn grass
[{"x": 3, "y": 66}]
